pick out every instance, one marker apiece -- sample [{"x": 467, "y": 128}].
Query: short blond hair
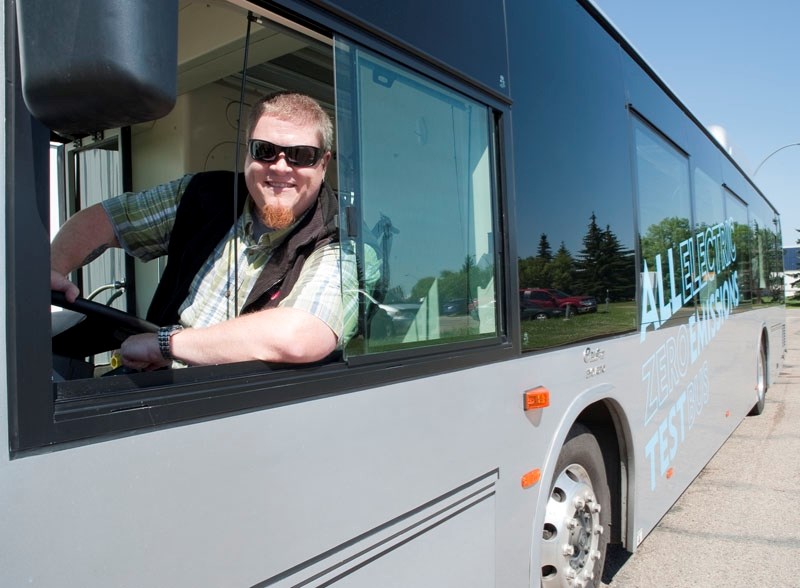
[{"x": 294, "y": 107}]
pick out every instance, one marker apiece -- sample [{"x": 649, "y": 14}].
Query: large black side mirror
[{"x": 90, "y": 65}]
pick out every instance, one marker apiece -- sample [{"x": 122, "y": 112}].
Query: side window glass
[
  {"x": 767, "y": 259},
  {"x": 416, "y": 179},
  {"x": 715, "y": 257},
  {"x": 742, "y": 237},
  {"x": 709, "y": 201},
  {"x": 668, "y": 275}
]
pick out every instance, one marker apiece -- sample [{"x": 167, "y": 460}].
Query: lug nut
[
  {"x": 568, "y": 550},
  {"x": 599, "y": 530},
  {"x": 579, "y": 502},
  {"x": 572, "y": 524}
]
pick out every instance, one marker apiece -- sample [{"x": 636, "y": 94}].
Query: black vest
[{"x": 205, "y": 214}]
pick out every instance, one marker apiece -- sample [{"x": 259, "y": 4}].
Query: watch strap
[{"x": 164, "y": 335}]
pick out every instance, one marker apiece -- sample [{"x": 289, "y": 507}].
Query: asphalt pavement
[{"x": 737, "y": 525}]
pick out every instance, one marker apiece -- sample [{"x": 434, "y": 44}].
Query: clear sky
[{"x": 736, "y": 65}]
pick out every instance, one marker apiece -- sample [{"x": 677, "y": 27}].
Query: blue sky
[{"x": 736, "y": 65}]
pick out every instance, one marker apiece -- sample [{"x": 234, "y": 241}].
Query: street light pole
[{"x": 773, "y": 153}]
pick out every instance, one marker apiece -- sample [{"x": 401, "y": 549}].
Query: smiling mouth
[{"x": 279, "y": 185}]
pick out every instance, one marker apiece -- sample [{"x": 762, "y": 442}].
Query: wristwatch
[{"x": 165, "y": 340}]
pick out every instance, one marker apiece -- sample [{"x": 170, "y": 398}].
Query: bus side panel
[
  {"x": 289, "y": 491},
  {"x": 333, "y": 484},
  {"x": 689, "y": 403}
]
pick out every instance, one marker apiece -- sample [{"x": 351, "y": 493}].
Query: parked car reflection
[
  {"x": 532, "y": 311},
  {"x": 552, "y": 298},
  {"x": 455, "y": 307},
  {"x": 391, "y": 319},
  {"x": 580, "y": 304}
]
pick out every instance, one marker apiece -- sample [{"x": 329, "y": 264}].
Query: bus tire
[
  {"x": 761, "y": 382},
  {"x": 575, "y": 534}
]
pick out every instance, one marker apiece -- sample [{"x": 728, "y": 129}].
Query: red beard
[{"x": 276, "y": 216}]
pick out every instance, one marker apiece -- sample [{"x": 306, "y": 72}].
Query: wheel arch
[
  {"x": 597, "y": 410},
  {"x": 605, "y": 419}
]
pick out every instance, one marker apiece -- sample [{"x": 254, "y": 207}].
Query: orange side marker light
[
  {"x": 531, "y": 478},
  {"x": 538, "y": 397},
  {"x": 670, "y": 473}
]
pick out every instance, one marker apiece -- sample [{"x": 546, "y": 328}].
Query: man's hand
[
  {"x": 60, "y": 283},
  {"x": 141, "y": 352}
]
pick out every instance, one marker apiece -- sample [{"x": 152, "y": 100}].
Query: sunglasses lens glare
[
  {"x": 302, "y": 155},
  {"x": 263, "y": 150},
  {"x": 299, "y": 155}
]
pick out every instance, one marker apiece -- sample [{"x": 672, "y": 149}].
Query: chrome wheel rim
[
  {"x": 761, "y": 380},
  {"x": 572, "y": 530}
]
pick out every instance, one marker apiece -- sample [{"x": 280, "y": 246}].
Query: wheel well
[{"x": 599, "y": 420}]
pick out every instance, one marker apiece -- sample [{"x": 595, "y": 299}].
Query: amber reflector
[
  {"x": 538, "y": 397},
  {"x": 531, "y": 478}
]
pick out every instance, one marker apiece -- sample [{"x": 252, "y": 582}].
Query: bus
[{"x": 485, "y": 151}]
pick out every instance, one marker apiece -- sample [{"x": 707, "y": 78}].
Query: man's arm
[
  {"x": 280, "y": 335},
  {"x": 306, "y": 327},
  {"x": 83, "y": 238}
]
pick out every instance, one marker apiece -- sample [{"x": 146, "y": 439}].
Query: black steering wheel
[{"x": 103, "y": 329}]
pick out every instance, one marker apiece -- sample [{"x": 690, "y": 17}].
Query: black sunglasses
[{"x": 299, "y": 155}]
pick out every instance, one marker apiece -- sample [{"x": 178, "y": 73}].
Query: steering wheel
[{"x": 104, "y": 328}]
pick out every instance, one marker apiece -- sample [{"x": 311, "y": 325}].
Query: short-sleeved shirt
[{"x": 326, "y": 288}]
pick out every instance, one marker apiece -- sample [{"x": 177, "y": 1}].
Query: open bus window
[
  {"x": 413, "y": 165},
  {"x": 417, "y": 162},
  {"x": 204, "y": 132}
]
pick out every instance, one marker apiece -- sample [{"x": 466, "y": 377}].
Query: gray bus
[{"x": 579, "y": 298}]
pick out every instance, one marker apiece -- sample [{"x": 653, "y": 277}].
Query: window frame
[{"x": 95, "y": 410}]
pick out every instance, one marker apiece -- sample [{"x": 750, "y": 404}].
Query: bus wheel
[
  {"x": 574, "y": 538},
  {"x": 761, "y": 382}
]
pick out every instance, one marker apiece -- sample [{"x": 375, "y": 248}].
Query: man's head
[{"x": 284, "y": 182}]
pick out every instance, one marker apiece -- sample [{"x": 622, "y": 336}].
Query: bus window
[
  {"x": 767, "y": 257},
  {"x": 204, "y": 132},
  {"x": 714, "y": 257},
  {"x": 709, "y": 203},
  {"x": 668, "y": 274},
  {"x": 416, "y": 160},
  {"x": 573, "y": 195},
  {"x": 736, "y": 210}
]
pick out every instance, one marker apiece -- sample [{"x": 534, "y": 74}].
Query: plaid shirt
[{"x": 143, "y": 222}]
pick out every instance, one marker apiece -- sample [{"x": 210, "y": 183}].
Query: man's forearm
[
  {"x": 283, "y": 335},
  {"x": 83, "y": 238}
]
